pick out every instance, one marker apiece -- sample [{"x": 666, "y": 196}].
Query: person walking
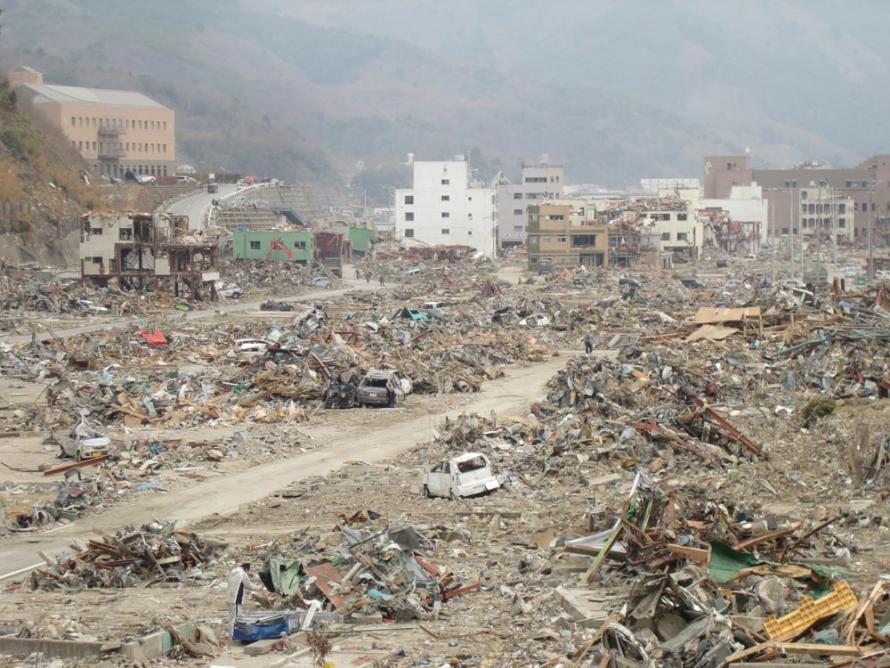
[
  {"x": 588, "y": 343},
  {"x": 239, "y": 580}
]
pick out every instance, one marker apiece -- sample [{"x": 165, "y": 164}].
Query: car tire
[
  {"x": 426, "y": 492},
  {"x": 452, "y": 495}
]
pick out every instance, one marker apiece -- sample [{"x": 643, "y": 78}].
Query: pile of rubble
[
  {"x": 275, "y": 278},
  {"x": 157, "y": 552},
  {"x": 377, "y": 572}
]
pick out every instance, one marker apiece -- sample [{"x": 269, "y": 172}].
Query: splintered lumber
[{"x": 61, "y": 468}]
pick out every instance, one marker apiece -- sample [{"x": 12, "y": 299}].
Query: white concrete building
[
  {"x": 538, "y": 181},
  {"x": 678, "y": 228},
  {"x": 445, "y": 208}
]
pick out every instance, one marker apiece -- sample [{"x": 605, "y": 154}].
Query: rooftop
[{"x": 98, "y": 96}]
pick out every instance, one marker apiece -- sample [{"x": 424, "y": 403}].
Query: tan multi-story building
[
  {"x": 560, "y": 238},
  {"x": 116, "y": 131}
]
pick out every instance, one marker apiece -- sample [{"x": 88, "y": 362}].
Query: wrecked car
[
  {"x": 692, "y": 283},
  {"x": 276, "y": 306},
  {"x": 539, "y": 320},
  {"x": 468, "y": 474},
  {"x": 382, "y": 388},
  {"x": 84, "y": 442}
]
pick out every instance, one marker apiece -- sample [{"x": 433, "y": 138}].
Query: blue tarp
[{"x": 265, "y": 625}]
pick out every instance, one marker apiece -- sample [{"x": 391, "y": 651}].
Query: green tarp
[
  {"x": 284, "y": 575},
  {"x": 727, "y": 564}
]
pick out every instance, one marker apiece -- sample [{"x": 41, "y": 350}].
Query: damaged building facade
[{"x": 139, "y": 250}]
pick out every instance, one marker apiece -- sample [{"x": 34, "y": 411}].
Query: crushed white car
[
  {"x": 85, "y": 442},
  {"x": 468, "y": 474},
  {"x": 535, "y": 321}
]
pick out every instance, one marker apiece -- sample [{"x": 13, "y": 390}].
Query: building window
[
  {"x": 445, "y": 214},
  {"x": 165, "y": 170},
  {"x": 469, "y": 233},
  {"x": 517, "y": 212},
  {"x": 125, "y": 234},
  {"x": 518, "y": 228},
  {"x": 80, "y": 145},
  {"x": 446, "y": 198},
  {"x": 165, "y": 125},
  {"x": 96, "y": 231},
  {"x": 469, "y": 216},
  {"x": 682, "y": 236},
  {"x": 803, "y": 193},
  {"x": 445, "y": 230},
  {"x": 409, "y": 199},
  {"x": 842, "y": 208},
  {"x": 300, "y": 245},
  {"x": 583, "y": 240},
  {"x": 536, "y": 179},
  {"x": 254, "y": 245},
  {"x": 665, "y": 236},
  {"x": 841, "y": 222},
  {"x": 517, "y": 195},
  {"x": 409, "y": 232},
  {"x": 409, "y": 215},
  {"x": 446, "y": 182},
  {"x": 561, "y": 239},
  {"x": 72, "y": 121},
  {"x": 556, "y": 217},
  {"x": 681, "y": 216}
]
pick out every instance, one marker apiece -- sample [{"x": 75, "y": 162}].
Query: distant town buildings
[
  {"x": 115, "y": 131},
  {"x": 537, "y": 181},
  {"x": 811, "y": 198},
  {"x": 660, "y": 185},
  {"x": 444, "y": 208}
]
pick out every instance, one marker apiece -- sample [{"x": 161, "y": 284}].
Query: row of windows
[
  {"x": 257, "y": 245},
  {"x": 409, "y": 232},
  {"x": 541, "y": 179},
  {"x": 121, "y": 170},
  {"x": 819, "y": 208},
  {"x": 116, "y": 123},
  {"x": 667, "y": 216},
  {"x": 409, "y": 199},
  {"x": 578, "y": 240},
  {"x": 138, "y": 147},
  {"x": 409, "y": 215},
  {"x": 826, "y": 222},
  {"x": 681, "y": 236}
]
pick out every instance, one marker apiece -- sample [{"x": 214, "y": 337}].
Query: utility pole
[
  {"x": 791, "y": 228},
  {"x": 775, "y": 237},
  {"x": 870, "y": 261},
  {"x": 833, "y": 210}
]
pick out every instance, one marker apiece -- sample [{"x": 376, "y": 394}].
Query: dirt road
[
  {"x": 508, "y": 395},
  {"x": 240, "y": 307}
]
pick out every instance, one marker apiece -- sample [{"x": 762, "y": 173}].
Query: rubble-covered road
[{"x": 225, "y": 494}]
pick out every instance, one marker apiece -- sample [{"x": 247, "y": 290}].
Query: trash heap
[
  {"x": 274, "y": 278},
  {"x": 378, "y": 572},
  {"x": 712, "y": 584},
  {"x": 158, "y": 552}
]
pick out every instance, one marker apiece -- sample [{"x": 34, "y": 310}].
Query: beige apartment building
[
  {"x": 560, "y": 238},
  {"x": 116, "y": 131}
]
